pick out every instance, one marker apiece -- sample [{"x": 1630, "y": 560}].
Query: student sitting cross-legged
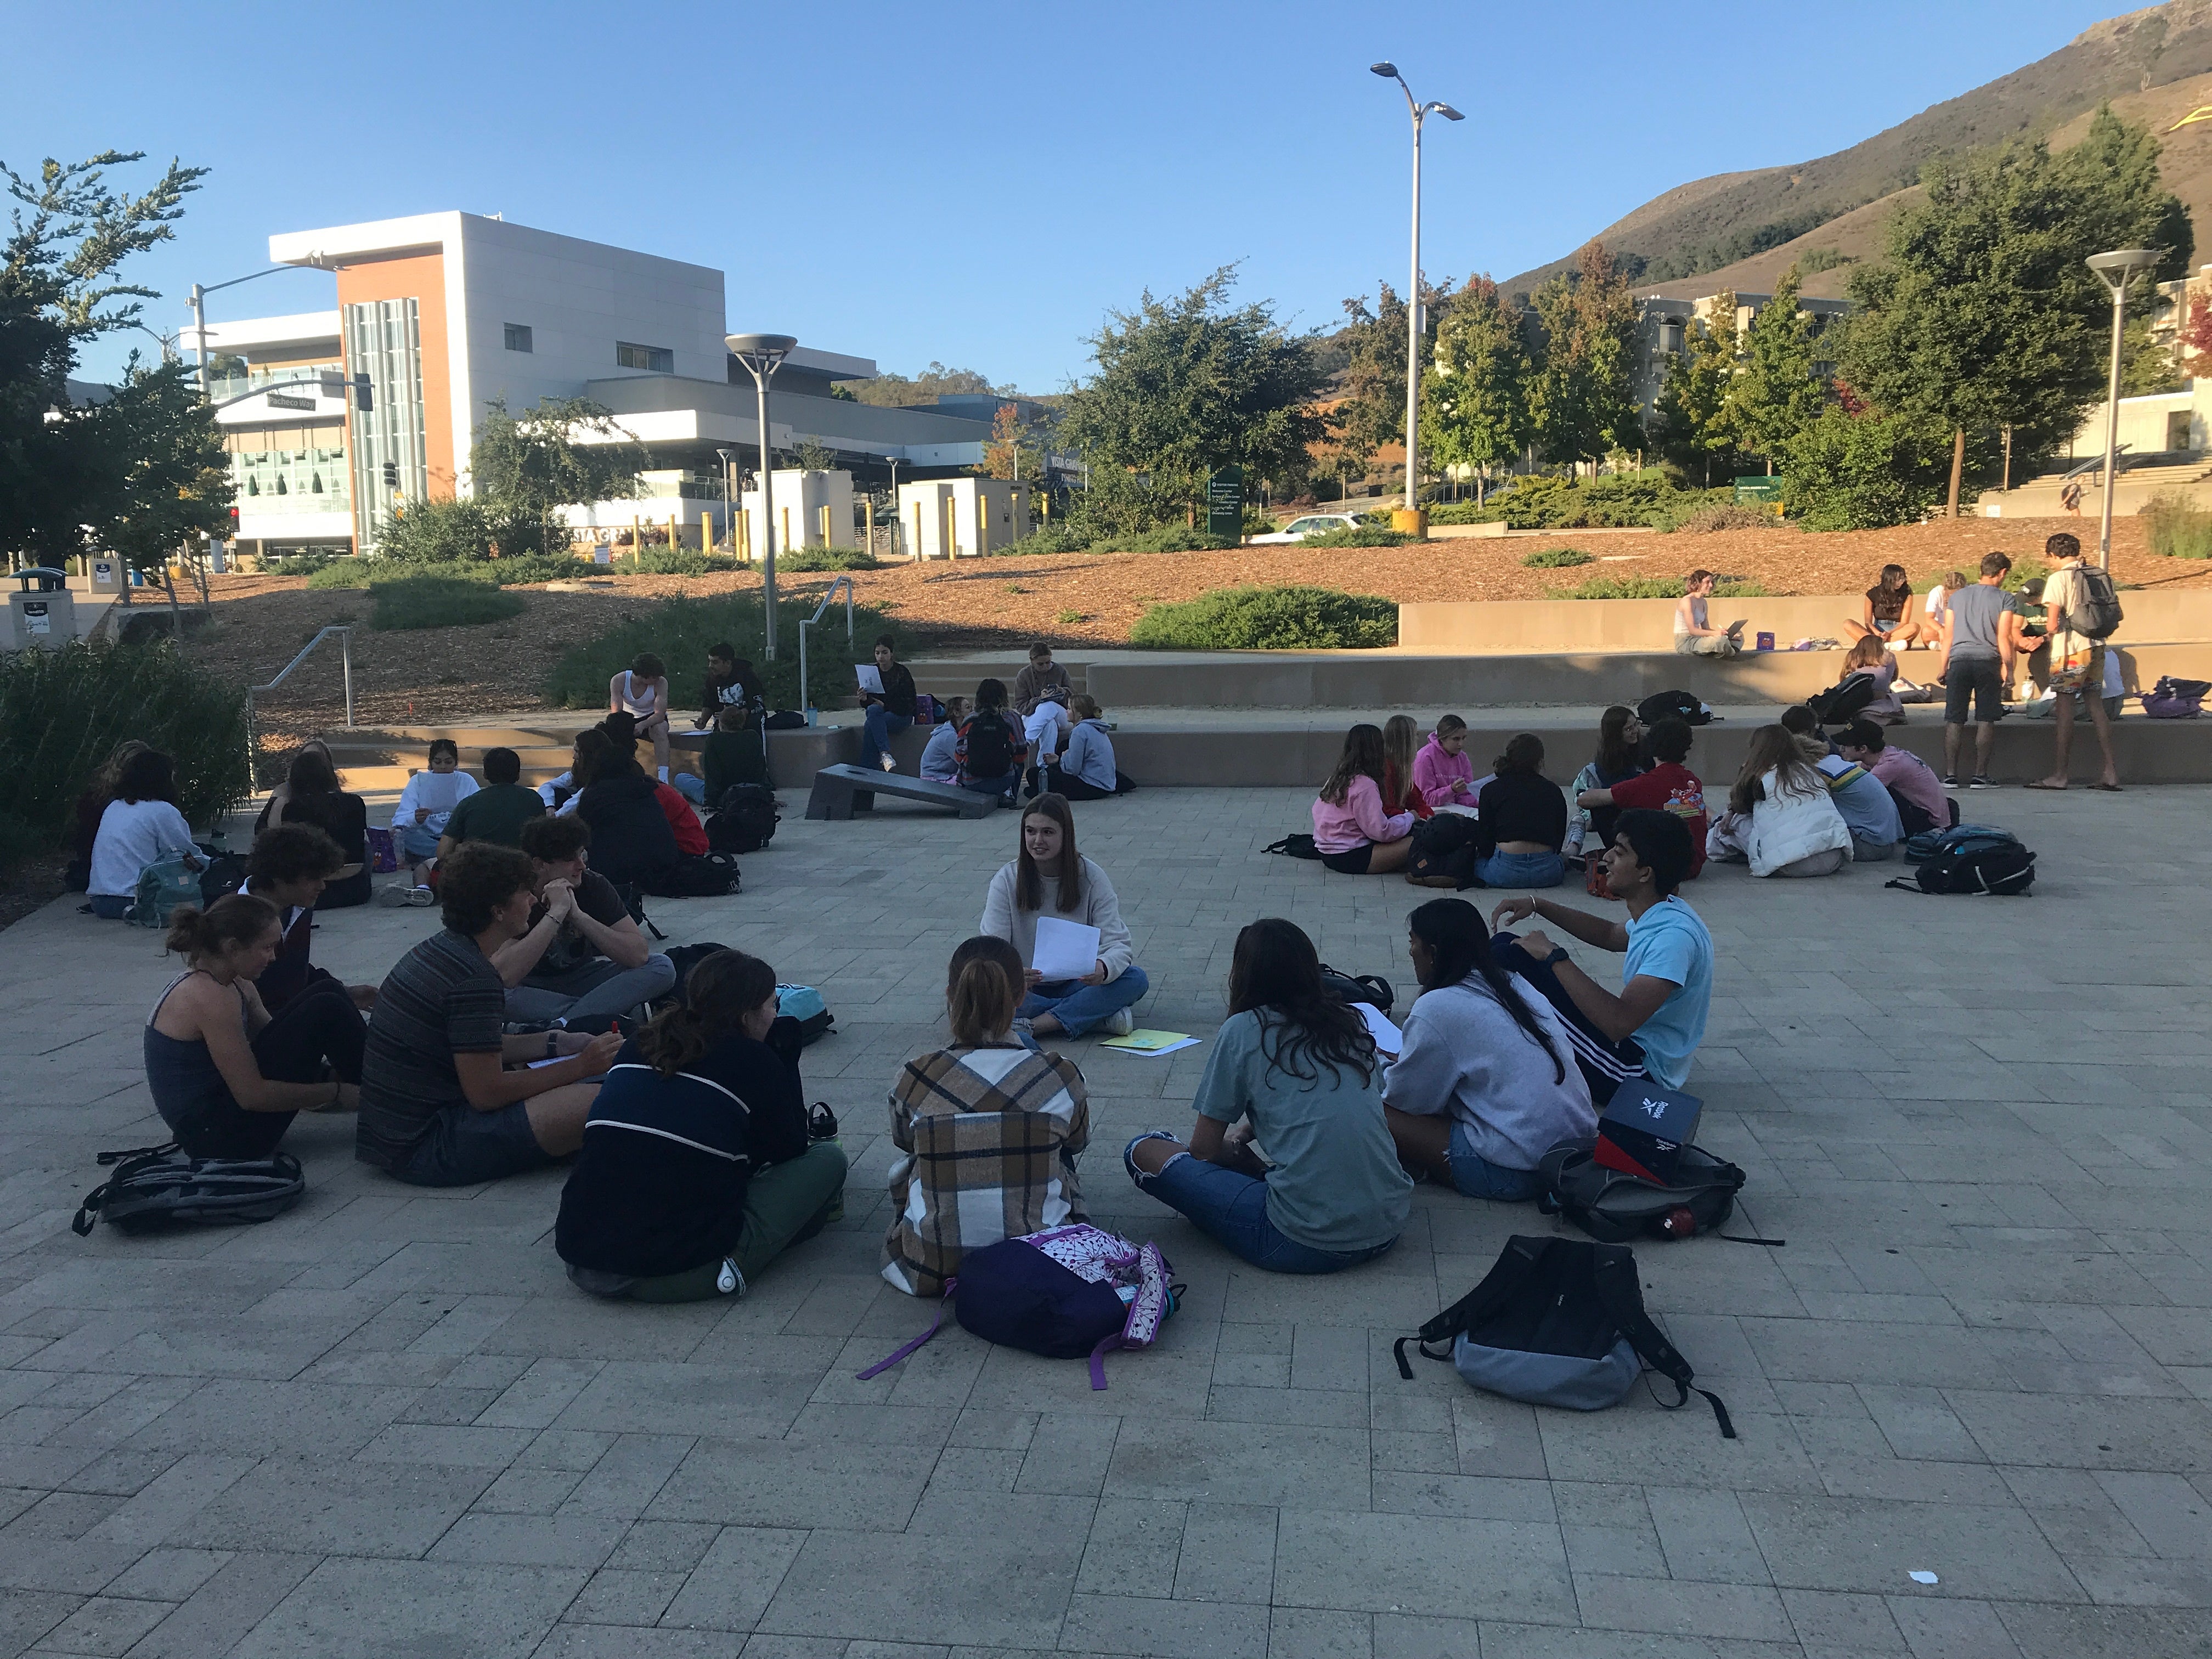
[
  {"x": 426, "y": 804},
  {"x": 940, "y": 762},
  {"x": 291, "y": 865},
  {"x": 1085, "y": 769},
  {"x": 989, "y": 748},
  {"x": 1868, "y": 810},
  {"x": 1486, "y": 1082},
  {"x": 581, "y": 957},
  {"x": 986, "y": 1130},
  {"x": 226, "y": 1077},
  {"x": 1353, "y": 834},
  {"x": 498, "y": 810},
  {"x": 1049, "y": 878},
  {"x": 1296, "y": 1060},
  {"x": 1523, "y": 820},
  {"x": 1780, "y": 818},
  {"x": 695, "y": 1171},
  {"x": 1653, "y": 1025},
  {"x": 140, "y": 826},
  {"x": 447, "y": 1099}
]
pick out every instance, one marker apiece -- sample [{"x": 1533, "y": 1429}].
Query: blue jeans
[
  {"x": 1230, "y": 1208},
  {"x": 110, "y": 906},
  {"x": 1002, "y": 786},
  {"x": 877, "y": 727},
  {"x": 1078, "y": 1006},
  {"x": 1476, "y": 1176},
  {"x": 1521, "y": 870},
  {"x": 691, "y": 787},
  {"x": 418, "y": 843}
]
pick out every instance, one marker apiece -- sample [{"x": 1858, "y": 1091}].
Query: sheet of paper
[
  {"x": 869, "y": 679},
  {"x": 1064, "y": 950},
  {"x": 555, "y": 1060},
  {"x": 1389, "y": 1039},
  {"x": 1151, "y": 1044}
]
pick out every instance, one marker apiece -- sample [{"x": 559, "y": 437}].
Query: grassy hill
[{"x": 1738, "y": 229}]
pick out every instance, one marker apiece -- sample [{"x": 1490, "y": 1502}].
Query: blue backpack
[{"x": 1067, "y": 1293}]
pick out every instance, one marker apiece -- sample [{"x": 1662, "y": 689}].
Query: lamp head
[
  {"x": 1448, "y": 112},
  {"x": 1386, "y": 70},
  {"x": 759, "y": 345}
]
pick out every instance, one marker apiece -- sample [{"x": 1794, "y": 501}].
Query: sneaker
[
  {"x": 729, "y": 1281},
  {"x": 1981, "y": 781},
  {"x": 421, "y": 897},
  {"x": 1120, "y": 1022},
  {"x": 394, "y": 894},
  {"x": 1950, "y": 780},
  {"x": 886, "y": 761}
]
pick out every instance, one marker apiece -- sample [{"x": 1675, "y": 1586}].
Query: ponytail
[
  {"x": 982, "y": 990},
  {"x": 722, "y": 989},
  {"x": 233, "y": 919}
]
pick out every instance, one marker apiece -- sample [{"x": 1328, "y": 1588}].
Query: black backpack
[
  {"x": 1973, "y": 859},
  {"x": 225, "y": 874},
  {"x": 745, "y": 819},
  {"x": 1444, "y": 848},
  {"x": 1294, "y": 846},
  {"x": 701, "y": 875},
  {"x": 159, "y": 1186},
  {"x": 1673, "y": 705},
  {"x": 990, "y": 746},
  {"x": 1844, "y": 702},
  {"x": 1613, "y": 1206},
  {"x": 1558, "y": 1321},
  {"x": 2097, "y": 614},
  {"x": 1370, "y": 988}
]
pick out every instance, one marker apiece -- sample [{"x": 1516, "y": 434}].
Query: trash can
[
  {"x": 41, "y": 614},
  {"x": 105, "y": 579}
]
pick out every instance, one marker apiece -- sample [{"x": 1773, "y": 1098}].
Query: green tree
[
  {"x": 1582, "y": 404},
  {"x": 1777, "y": 392},
  {"x": 172, "y": 480},
  {"x": 1188, "y": 385},
  {"x": 893, "y": 391},
  {"x": 1474, "y": 398},
  {"x": 1981, "y": 312},
  {"x": 565, "y": 451},
  {"x": 1690, "y": 417},
  {"x": 1372, "y": 416},
  {"x": 1863, "y": 471},
  {"x": 63, "y": 466}
]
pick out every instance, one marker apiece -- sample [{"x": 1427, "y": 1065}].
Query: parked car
[{"x": 1312, "y": 524}]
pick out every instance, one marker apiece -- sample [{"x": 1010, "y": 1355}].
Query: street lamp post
[
  {"x": 730, "y": 502},
  {"x": 763, "y": 353},
  {"x": 1421, "y": 112},
  {"x": 2116, "y": 269},
  {"x": 199, "y": 310}
]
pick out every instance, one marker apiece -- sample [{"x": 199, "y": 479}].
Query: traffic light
[
  {"x": 234, "y": 524},
  {"x": 392, "y": 475},
  {"x": 362, "y": 399}
]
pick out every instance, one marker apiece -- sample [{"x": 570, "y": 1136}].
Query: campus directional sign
[{"x": 1225, "y": 503}]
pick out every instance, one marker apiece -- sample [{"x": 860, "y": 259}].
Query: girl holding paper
[
  {"x": 1050, "y": 882},
  {"x": 890, "y": 704}
]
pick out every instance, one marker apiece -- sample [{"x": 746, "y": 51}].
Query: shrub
[
  {"x": 1166, "y": 538},
  {"x": 1728, "y": 515},
  {"x": 1357, "y": 536},
  {"x": 299, "y": 564},
  {"x": 1269, "y": 619},
  {"x": 1863, "y": 471},
  {"x": 663, "y": 560},
  {"x": 1557, "y": 558},
  {"x": 1655, "y": 587},
  {"x": 1538, "y": 503},
  {"x": 62, "y": 712},
  {"x": 1053, "y": 538},
  {"x": 2178, "y": 527},
  {"x": 373, "y": 573},
  {"x": 679, "y": 631},
  {"x": 439, "y": 602},
  {"x": 827, "y": 558}
]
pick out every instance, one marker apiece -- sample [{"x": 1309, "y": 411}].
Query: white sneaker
[
  {"x": 1120, "y": 1022},
  {"x": 886, "y": 761},
  {"x": 420, "y": 897},
  {"x": 394, "y": 894}
]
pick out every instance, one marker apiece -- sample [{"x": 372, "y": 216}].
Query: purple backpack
[
  {"x": 1066, "y": 1293},
  {"x": 2176, "y": 699}
]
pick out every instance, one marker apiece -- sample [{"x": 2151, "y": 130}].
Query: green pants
[{"x": 786, "y": 1204}]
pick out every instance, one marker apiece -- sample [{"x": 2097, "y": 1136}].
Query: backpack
[
  {"x": 159, "y": 1186},
  {"x": 225, "y": 875},
  {"x": 1444, "y": 848},
  {"x": 804, "y": 1004},
  {"x": 1918, "y": 822},
  {"x": 1927, "y": 843},
  {"x": 1844, "y": 702},
  {"x": 1558, "y": 1322},
  {"x": 989, "y": 745},
  {"x": 1613, "y": 1206},
  {"x": 2096, "y": 613},
  {"x": 703, "y": 875},
  {"x": 745, "y": 819},
  {"x": 2176, "y": 699},
  {"x": 1370, "y": 988},
  {"x": 1673, "y": 705},
  {"x": 1974, "y": 860},
  {"x": 1294, "y": 846},
  {"x": 1067, "y": 1293},
  {"x": 163, "y": 887},
  {"x": 683, "y": 958}
]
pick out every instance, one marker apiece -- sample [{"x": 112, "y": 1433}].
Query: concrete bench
[{"x": 841, "y": 791}]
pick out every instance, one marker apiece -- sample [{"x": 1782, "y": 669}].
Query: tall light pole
[
  {"x": 1421, "y": 112},
  {"x": 2116, "y": 269},
  {"x": 730, "y": 502},
  {"x": 199, "y": 308},
  {"x": 763, "y": 353}
]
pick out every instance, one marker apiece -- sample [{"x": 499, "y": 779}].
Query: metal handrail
[
  {"x": 345, "y": 652},
  {"x": 805, "y": 623}
]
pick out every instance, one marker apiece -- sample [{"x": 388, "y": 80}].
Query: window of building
[
  {"x": 655, "y": 360},
  {"x": 518, "y": 337}
]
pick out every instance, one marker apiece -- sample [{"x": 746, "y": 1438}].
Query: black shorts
[
  {"x": 1354, "y": 863},
  {"x": 1981, "y": 676}
]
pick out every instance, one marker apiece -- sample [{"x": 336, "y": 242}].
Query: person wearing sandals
[
  {"x": 697, "y": 1170},
  {"x": 1486, "y": 1082},
  {"x": 1293, "y": 1070},
  {"x": 986, "y": 1130}
]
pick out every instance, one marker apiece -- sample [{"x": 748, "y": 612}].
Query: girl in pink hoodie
[
  {"x": 1352, "y": 833},
  {"x": 1441, "y": 771}
]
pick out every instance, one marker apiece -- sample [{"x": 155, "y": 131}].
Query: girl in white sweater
[
  {"x": 1780, "y": 816},
  {"x": 1050, "y": 877}
]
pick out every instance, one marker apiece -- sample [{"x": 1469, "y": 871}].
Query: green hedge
[
  {"x": 1357, "y": 536},
  {"x": 678, "y": 632},
  {"x": 828, "y": 558},
  {"x": 1557, "y": 558},
  {"x": 1654, "y": 587},
  {"x": 2178, "y": 527},
  {"x": 1269, "y": 619},
  {"x": 63, "y": 711}
]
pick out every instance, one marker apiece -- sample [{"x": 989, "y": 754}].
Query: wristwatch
[
  {"x": 1558, "y": 954},
  {"x": 552, "y": 1044}
]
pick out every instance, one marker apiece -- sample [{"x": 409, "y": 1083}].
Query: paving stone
[
  {"x": 348, "y": 1607},
  {"x": 1420, "y": 1564}
]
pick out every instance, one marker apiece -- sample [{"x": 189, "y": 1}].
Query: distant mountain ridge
[{"x": 1717, "y": 224}]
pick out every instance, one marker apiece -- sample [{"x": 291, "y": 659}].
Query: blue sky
[{"x": 975, "y": 184}]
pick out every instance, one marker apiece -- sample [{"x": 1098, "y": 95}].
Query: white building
[
  {"x": 448, "y": 312},
  {"x": 949, "y": 517}
]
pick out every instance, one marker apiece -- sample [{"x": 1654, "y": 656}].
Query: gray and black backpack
[
  {"x": 1614, "y": 1207},
  {"x": 1558, "y": 1321},
  {"x": 158, "y": 1187}
]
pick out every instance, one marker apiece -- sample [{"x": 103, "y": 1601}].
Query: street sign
[
  {"x": 286, "y": 400},
  {"x": 1758, "y": 492},
  {"x": 1225, "y": 503}
]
